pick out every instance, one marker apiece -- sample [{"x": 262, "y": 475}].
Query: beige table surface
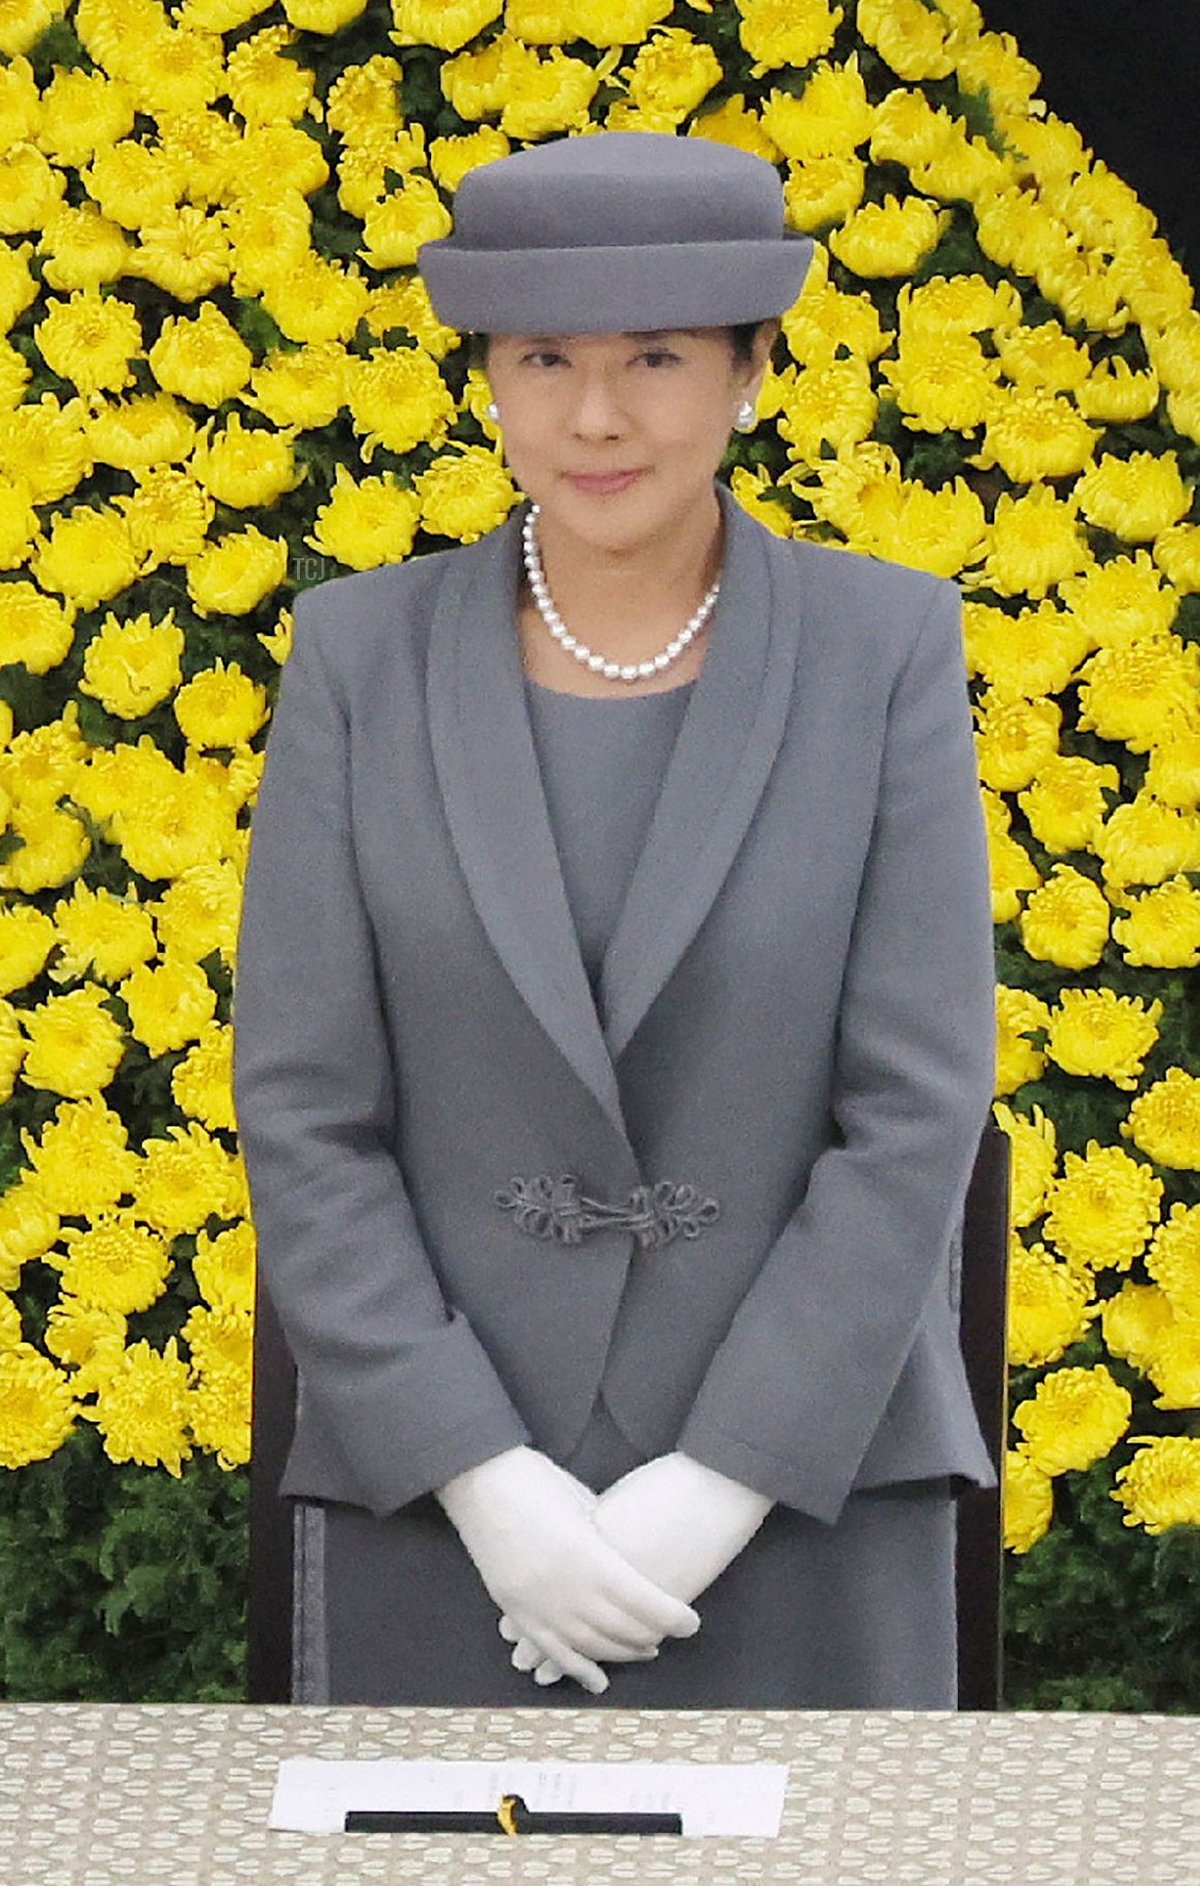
[{"x": 107, "y": 1795}]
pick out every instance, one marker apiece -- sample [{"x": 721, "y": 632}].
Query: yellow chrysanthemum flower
[
  {"x": 737, "y": 123},
  {"x": 447, "y": 24},
  {"x": 1136, "y": 498},
  {"x": 1036, "y": 541},
  {"x": 968, "y": 304},
  {"x": 90, "y": 339},
  {"x": 88, "y": 555},
  {"x": 81, "y": 1163},
  {"x": 943, "y": 382},
  {"x": 54, "y": 846},
  {"x": 1018, "y": 1015},
  {"x": 169, "y": 1003},
  {"x": 237, "y": 572},
  {"x": 203, "y": 150},
  {"x": 219, "y": 1410},
  {"x": 46, "y": 445},
  {"x": 115, "y": 1264},
  {"x": 396, "y": 227},
  {"x": 888, "y": 238},
  {"x": 1043, "y": 358},
  {"x": 278, "y": 641},
  {"x": 672, "y": 71},
  {"x": 141, "y": 1408},
  {"x": 166, "y": 824},
  {"x": 37, "y": 1407},
  {"x": 224, "y": 1267},
  {"x": 465, "y": 492},
  {"x": 278, "y": 157},
  {"x": 221, "y": 1341},
  {"x": 1096, "y": 1033},
  {"x": 1164, "y": 1122},
  {"x": 137, "y": 434},
  {"x": 1160, "y": 1486},
  {"x": 1121, "y": 601},
  {"x": 220, "y": 706},
  {"x": 323, "y": 16},
  {"x": 29, "y": 1227},
  {"x": 398, "y": 399},
  {"x": 132, "y": 184},
  {"x": 1134, "y": 1322},
  {"x": 1143, "y": 842},
  {"x": 305, "y": 388},
  {"x": 88, "y": 1340},
  {"x": 405, "y": 304},
  {"x": 1173, "y": 774},
  {"x": 131, "y": 666},
  {"x": 1028, "y": 1502},
  {"x": 1162, "y": 928},
  {"x": 1022, "y": 656},
  {"x": 185, "y": 1178},
  {"x": 1066, "y": 921},
  {"x": 367, "y": 522},
  {"x": 316, "y": 301},
  {"x": 81, "y": 248},
  {"x": 1015, "y": 739},
  {"x": 44, "y": 764},
  {"x": 1049, "y": 1306},
  {"x": 202, "y": 1083},
  {"x": 1129, "y": 693},
  {"x": 75, "y": 1044},
  {"x": 1117, "y": 394},
  {"x": 30, "y": 190},
  {"x": 185, "y": 252},
  {"x": 914, "y": 40},
  {"x": 202, "y": 357},
  {"x": 1033, "y": 1144},
  {"x": 1103, "y": 1209},
  {"x": 1065, "y": 805},
  {"x": 263, "y": 86},
  {"x": 198, "y": 912},
  {"x": 1177, "y": 554},
  {"x": 12, "y": 1051},
  {"x": 752, "y": 491},
  {"x": 821, "y": 192},
  {"x": 830, "y": 404},
  {"x": 35, "y": 630},
  {"x": 267, "y": 236},
  {"x": 1012, "y": 872},
  {"x": 1074, "y": 1418},
  {"x": 26, "y": 939},
  {"x": 1173, "y": 1259},
  {"x": 786, "y": 32},
  {"x": 101, "y": 934},
  {"x": 365, "y": 97},
  {"x": 1174, "y": 1366},
  {"x": 832, "y": 117},
  {"x": 1032, "y": 433},
  {"x": 452, "y": 158}
]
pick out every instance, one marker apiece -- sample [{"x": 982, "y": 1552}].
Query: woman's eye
[
  {"x": 659, "y": 355},
  {"x": 542, "y": 354}
]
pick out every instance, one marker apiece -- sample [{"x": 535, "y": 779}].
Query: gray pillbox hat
[{"x": 614, "y": 232}]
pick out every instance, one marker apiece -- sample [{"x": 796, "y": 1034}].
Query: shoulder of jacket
[
  {"x": 365, "y": 605},
  {"x": 869, "y": 601}
]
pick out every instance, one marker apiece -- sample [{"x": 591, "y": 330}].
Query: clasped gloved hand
[
  {"x": 675, "y": 1520},
  {"x": 565, "y": 1588}
]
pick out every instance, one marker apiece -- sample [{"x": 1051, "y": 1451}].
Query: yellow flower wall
[{"x": 220, "y": 381}]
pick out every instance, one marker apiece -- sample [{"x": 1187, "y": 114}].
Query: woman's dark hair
[{"x": 741, "y": 339}]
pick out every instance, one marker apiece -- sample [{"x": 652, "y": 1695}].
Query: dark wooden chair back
[{"x": 984, "y": 1283}]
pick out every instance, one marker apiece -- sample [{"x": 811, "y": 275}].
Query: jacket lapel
[{"x": 496, "y": 810}]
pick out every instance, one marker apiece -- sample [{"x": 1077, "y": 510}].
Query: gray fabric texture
[
  {"x": 620, "y": 230},
  {"x": 859, "y": 1615},
  {"x": 795, "y": 1015}
]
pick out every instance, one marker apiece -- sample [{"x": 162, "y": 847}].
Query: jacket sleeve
[
  {"x": 396, "y": 1375},
  {"x": 795, "y": 1392}
]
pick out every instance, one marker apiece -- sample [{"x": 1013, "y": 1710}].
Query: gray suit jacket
[{"x": 795, "y": 1018}]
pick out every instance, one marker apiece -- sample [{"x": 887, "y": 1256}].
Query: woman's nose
[{"x": 597, "y": 412}]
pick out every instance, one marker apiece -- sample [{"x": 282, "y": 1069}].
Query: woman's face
[{"x": 657, "y": 405}]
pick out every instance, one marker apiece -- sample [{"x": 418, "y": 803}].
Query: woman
[{"x": 614, "y": 1022}]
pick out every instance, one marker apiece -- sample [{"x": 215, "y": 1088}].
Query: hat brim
[{"x": 597, "y": 290}]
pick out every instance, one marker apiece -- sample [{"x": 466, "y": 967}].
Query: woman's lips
[{"x": 604, "y": 486}]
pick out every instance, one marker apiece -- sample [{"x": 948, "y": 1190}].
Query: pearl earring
[
  {"x": 746, "y": 417},
  {"x": 493, "y": 411}
]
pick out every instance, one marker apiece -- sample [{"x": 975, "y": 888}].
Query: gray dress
[{"x": 856, "y": 1615}]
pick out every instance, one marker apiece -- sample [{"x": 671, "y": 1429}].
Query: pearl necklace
[{"x": 631, "y": 671}]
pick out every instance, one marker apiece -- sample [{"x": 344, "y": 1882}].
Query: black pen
[{"x": 511, "y": 1817}]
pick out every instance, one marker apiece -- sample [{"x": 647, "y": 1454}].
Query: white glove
[
  {"x": 677, "y": 1521},
  {"x": 528, "y": 1527}
]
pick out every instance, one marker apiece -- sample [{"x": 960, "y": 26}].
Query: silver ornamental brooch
[{"x": 546, "y": 1207}]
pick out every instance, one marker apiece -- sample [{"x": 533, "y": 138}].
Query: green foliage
[
  {"x": 1099, "y": 1615},
  {"x": 122, "y": 1585}
]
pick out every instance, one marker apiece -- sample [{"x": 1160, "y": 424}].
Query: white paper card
[{"x": 313, "y": 1796}]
